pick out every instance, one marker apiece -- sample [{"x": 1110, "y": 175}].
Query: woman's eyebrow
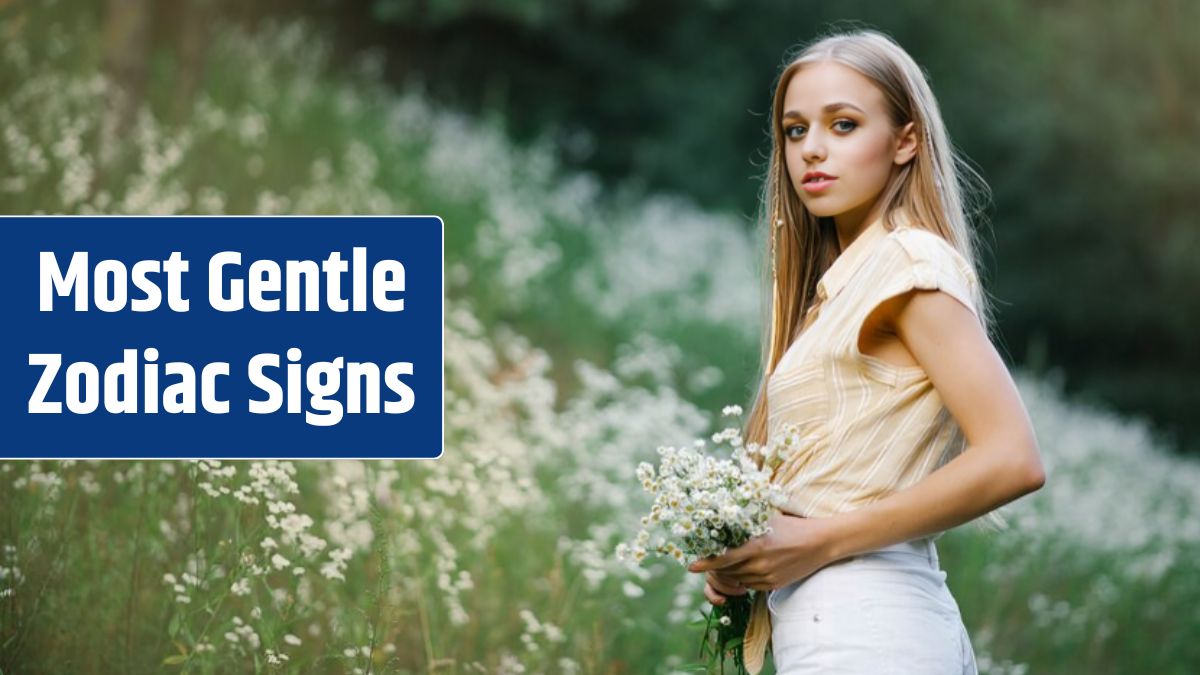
[{"x": 832, "y": 107}]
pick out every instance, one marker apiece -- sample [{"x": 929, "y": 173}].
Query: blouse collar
[{"x": 849, "y": 260}]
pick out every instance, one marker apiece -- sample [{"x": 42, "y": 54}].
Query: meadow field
[{"x": 584, "y": 328}]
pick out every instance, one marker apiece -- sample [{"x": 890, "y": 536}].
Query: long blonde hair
[{"x": 937, "y": 190}]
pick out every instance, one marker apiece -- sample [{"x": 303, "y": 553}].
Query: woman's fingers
[
  {"x": 724, "y": 584},
  {"x": 713, "y": 596}
]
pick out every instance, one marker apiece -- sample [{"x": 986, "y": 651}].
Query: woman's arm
[{"x": 1001, "y": 461}]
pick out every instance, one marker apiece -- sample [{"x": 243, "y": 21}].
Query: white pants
[{"x": 884, "y": 612}]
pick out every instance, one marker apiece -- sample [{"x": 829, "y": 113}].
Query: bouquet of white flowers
[{"x": 705, "y": 505}]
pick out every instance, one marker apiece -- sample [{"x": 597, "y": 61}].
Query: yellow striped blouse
[{"x": 868, "y": 427}]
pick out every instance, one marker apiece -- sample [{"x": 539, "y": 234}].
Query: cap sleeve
[
  {"x": 936, "y": 265},
  {"x": 914, "y": 259}
]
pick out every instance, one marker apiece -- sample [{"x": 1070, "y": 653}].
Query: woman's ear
[{"x": 906, "y": 144}]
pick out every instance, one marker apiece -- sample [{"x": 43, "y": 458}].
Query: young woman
[{"x": 910, "y": 421}]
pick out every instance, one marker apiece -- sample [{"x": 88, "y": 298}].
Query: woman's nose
[{"x": 813, "y": 148}]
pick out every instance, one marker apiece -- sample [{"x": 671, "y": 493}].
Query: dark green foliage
[{"x": 1080, "y": 115}]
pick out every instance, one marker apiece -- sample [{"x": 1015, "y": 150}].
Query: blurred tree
[
  {"x": 1095, "y": 201},
  {"x": 192, "y": 22},
  {"x": 126, "y": 52},
  {"x": 1086, "y": 130}
]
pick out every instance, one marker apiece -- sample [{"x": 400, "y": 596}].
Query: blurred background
[{"x": 597, "y": 164}]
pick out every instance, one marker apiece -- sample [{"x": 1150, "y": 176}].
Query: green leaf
[{"x": 174, "y": 660}]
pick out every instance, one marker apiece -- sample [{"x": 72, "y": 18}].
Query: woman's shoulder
[{"x": 922, "y": 248}]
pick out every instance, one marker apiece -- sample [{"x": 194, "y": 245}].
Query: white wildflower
[{"x": 707, "y": 504}]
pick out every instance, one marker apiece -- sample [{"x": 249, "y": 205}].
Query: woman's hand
[
  {"x": 717, "y": 587},
  {"x": 795, "y": 548}
]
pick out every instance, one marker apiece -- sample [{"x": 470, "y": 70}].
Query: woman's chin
[{"x": 821, "y": 210}]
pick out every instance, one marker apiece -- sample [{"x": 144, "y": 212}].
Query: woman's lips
[{"x": 817, "y": 185}]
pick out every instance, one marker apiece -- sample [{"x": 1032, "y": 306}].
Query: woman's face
[{"x": 835, "y": 121}]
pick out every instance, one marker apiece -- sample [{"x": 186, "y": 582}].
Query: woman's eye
[{"x": 840, "y": 125}]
